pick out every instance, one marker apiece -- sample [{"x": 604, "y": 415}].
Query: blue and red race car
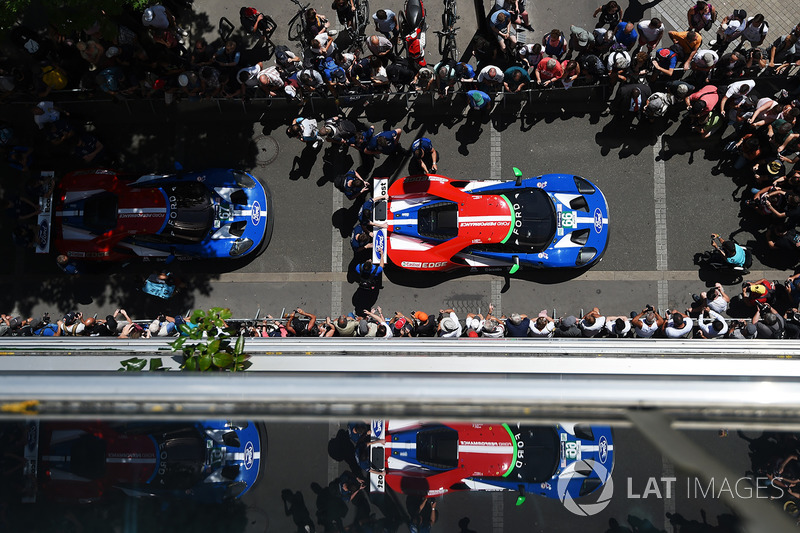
[
  {"x": 432, "y": 459},
  {"x": 211, "y": 461},
  {"x": 217, "y": 213},
  {"x": 436, "y": 223}
]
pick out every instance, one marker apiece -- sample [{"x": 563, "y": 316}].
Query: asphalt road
[{"x": 297, "y": 458}]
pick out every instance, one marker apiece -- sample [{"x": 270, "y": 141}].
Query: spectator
[
  {"x": 298, "y": 327},
  {"x": 626, "y": 35},
  {"x": 755, "y": 62},
  {"x": 554, "y": 44},
  {"x": 46, "y": 113},
  {"x": 386, "y": 23},
  {"x": 784, "y": 51},
  {"x": 478, "y": 100},
  {"x": 618, "y": 326},
  {"x": 516, "y": 8},
  {"x": 568, "y": 327},
  {"x": 383, "y": 329},
  {"x": 758, "y": 292},
  {"x": 715, "y": 299},
  {"x": 580, "y": 41},
  {"x": 401, "y": 325},
  {"x": 424, "y": 324},
  {"x": 610, "y": 15},
  {"x": 716, "y": 328},
  {"x": 702, "y": 64},
  {"x": 491, "y": 79},
  {"x": 158, "y": 17},
  {"x": 381, "y": 47},
  {"x": 548, "y": 71},
  {"x": 500, "y": 24},
  {"x": 689, "y": 42},
  {"x": 572, "y": 70},
  {"x": 664, "y": 62},
  {"x": 306, "y": 130},
  {"x": 702, "y": 102},
  {"x": 647, "y": 323},
  {"x": 769, "y": 323},
  {"x": 701, "y": 16},
  {"x": 492, "y": 327},
  {"x": 657, "y": 105},
  {"x": 738, "y": 89},
  {"x": 346, "y": 326},
  {"x": 592, "y": 323},
  {"x": 449, "y": 325},
  {"x": 677, "y": 325},
  {"x": 345, "y": 11},
  {"x": 730, "y": 67},
  {"x": 530, "y": 55},
  {"x": 474, "y": 324},
  {"x": 516, "y": 79},
  {"x": 728, "y": 29},
  {"x": 517, "y": 325},
  {"x": 315, "y": 23},
  {"x": 753, "y": 31},
  {"x": 543, "y": 326},
  {"x": 650, "y": 33},
  {"x": 603, "y": 41}
]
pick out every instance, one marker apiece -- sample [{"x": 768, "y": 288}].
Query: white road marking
[
  {"x": 660, "y": 197},
  {"x": 495, "y": 173},
  {"x": 336, "y": 259},
  {"x": 497, "y": 512}
]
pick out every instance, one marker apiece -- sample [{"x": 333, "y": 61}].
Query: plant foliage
[{"x": 206, "y": 343}]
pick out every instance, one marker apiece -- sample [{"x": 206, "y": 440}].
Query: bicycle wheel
[
  {"x": 453, "y": 47},
  {"x": 451, "y": 7},
  {"x": 296, "y": 29},
  {"x": 363, "y": 15}
]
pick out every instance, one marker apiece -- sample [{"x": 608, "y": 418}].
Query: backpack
[
  {"x": 54, "y": 77},
  {"x": 282, "y": 56},
  {"x": 369, "y": 280},
  {"x": 400, "y": 73}
]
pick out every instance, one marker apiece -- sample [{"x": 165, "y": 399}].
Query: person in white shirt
[
  {"x": 449, "y": 326},
  {"x": 712, "y": 324},
  {"x": 677, "y": 325},
  {"x": 741, "y": 88},
  {"x": 618, "y": 326},
  {"x": 650, "y": 33},
  {"x": 728, "y": 29},
  {"x": 647, "y": 322},
  {"x": 754, "y": 31},
  {"x": 45, "y": 113},
  {"x": 592, "y": 323},
  {"x": 543, "y": 326}
]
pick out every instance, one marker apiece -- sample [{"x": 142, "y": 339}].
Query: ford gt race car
[
  {"x": 218, "y": 213},
  {"x": 434, "y": 223},
  {"x": 428, "y": 459},
  {"x": 210, "y": 461}
]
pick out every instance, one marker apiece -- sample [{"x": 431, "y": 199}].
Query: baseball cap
[
  {"x": 758, "y": 289},
  {"x": 399, "y": 323},
  {"x": 448, "y": 324},
  {"x": 421, "y": 316},
  {"x": 580, "y": 34},
  {"x": 112, "y": 51},
  {"x": 653, "y": 105},
  {"x": 664, "y": 52},
  {"x": 148, "y": 15},
  {"x": 774, "y": 167},
  {"x": 569, "y": 321},
  {"x": 472, "y": 333},
  {"x": 477, "y": 98},
  {"x": 363, "y": 327},
  {"x": 708, "y": 59},
  {"x": 183, "y": 80},
  {"x": 750, "y": 331}
]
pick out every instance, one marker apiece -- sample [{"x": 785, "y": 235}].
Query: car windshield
[
  {"x": 540, "y": 455},
  {"x": 191, "y": 212},
  {"x": 439, "y": 220},
  {"x": 100, "y": 212},
  {"x": 183, "y": 455},
  {"x": 438, "y": 447}
]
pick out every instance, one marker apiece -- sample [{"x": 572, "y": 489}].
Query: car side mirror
[
  {"x": 518, "y": 175},
  {"x": 521, "y": 496},
  {"x": 515, "y": 265}
]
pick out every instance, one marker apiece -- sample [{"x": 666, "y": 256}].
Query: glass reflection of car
[
  {"x": 436, "y": 223},
  {"x": 211, "y": 461},
  {"x": 432, "y": 459},
  {"x": 217, "y": 213}
]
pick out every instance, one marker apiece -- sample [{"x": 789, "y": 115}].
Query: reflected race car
[
  {"x": 216, "y": 213},
  {"x": 211, "y": 461},
  {"x": 431, "y": 459},
  {"x": 436, "y": 223}
]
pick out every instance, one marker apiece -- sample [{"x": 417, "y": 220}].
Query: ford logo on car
[
  {"x": 602, "y": 449},
  {"x": 255, "y": 213},
  {"x": 598, "y": 220},
  {"x": 380, "y": 242},
  {"x": 249, "y": 454},
  {"x": 44, "y": 234}
]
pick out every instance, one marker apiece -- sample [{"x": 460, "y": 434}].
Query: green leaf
[
  {"x": 245, "y": 365},
  {"x": 185, "y": 330},
  {"x": 156, "y": 364},
  {"x": 197, "y": 333},
  {"x": 223, "y": 360},
  {"x": 213, "y": 346},
  {"x": 205, "y": 362},
  {"x": 197, "y": 315},
  {"x": 239, "y": 348},
  {"x": 191, "y": 363},
  {"x": 177, "y": 344},
  {"x": 225, "y": 314},
  {"x": 134, "y": 364}
]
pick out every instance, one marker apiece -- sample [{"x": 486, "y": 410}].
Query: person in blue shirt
[
  {"x": 626, "y": 34},
  {"x": 478, "y": 100},
  {"x": 734, "y": 254},
  {"x": 386, "y": 142},
  {"x": 68, "y": 266},
  {"x": 360, "y": 239},
  {"x": 369, "y": 274},
  {"x": 424, "y": 156}
]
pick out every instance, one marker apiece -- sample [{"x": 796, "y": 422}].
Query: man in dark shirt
[{"x": 518, "y": 325}]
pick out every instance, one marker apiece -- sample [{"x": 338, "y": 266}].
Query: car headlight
[
  {"x": 243, "y": 180},
  {"x": 240, "y": 246},
  {"x": 584, "y": 187},
  {"x": 585, "y": 256}
]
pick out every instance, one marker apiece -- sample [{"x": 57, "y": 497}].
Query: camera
[
  {"x": 649, "y": 308},
  {"x": 763, "y": 308}
]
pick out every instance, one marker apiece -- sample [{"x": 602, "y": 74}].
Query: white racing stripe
[
  {"x": 486, "y": 449},
  {"x": 401, "y": 445},
  {"x": 143, "y": 210},
  {"x": 131, "y": 460},
  {"x": 71, "y": 213}
]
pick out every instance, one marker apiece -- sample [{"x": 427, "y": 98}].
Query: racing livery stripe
[
  {"x": 402, "y": 445},
  {"x": 595, "y": 447},
  {"x": 131, "y": 460},
  {"x": 239, "y": 456},
  {"x": 72, "y": 213},
  {"x": 511, "y": 436},
  {"x": 508, "y": 236},
  {"x": 589, "y": 220},
  {"x": 128, "y": 210},
  {"x": 487, "y": 449}
]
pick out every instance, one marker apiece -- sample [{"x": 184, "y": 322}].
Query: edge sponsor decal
[{"x": 426, "y": 265}]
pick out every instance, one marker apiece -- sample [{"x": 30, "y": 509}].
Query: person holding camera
[
  {"x": 646, "y": 323},
  {"x": 712, "y": 325},
  {"x": 677, "y": 325},
  {"x": 769, "y": 324},
  {"x": 733, "y": 254}
]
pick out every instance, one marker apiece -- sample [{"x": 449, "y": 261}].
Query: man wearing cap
[
  {"x": 657, "y": 105},
  {"x": 760, "y": 291},
  {"x": 517, "y": 325},
  {"x": 664, "y": 63},
  {"x": 646, "y": 323},
  {"x": 158, "y": 17},
  {"x": 474, "y": 323},
  {"x": 702, "y": 64},
  {"x": 568, "y": 327},
  {"x": 580, "y": 41},
  {"x": 677, "y": 325},
  {"x": 769, "y": 324},
  {"x": 478, "y": 100},
  {"x": 650, "y": 33},
  {"x": 367, "y": 328},
  {"x": 618, "y": 326},
  {"x": 548, "y": 71},
  {"x": 424, "y": 324},
  {"x": 449, "y": 325}
]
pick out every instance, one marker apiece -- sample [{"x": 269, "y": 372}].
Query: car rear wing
[
  {"x": 380, "y": 187},
  {"x": 45, "y": 219}
]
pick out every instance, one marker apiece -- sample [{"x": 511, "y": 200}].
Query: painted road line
[
  {"x": 497, "y": 512},
  {"x": 336, "y": 260},
  {"x": 660, "y": 196}
]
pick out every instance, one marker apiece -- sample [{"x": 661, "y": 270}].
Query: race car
[
  {"x": 434, "y": 223},
  {"x": 80, "y": 462},
  {"x": 432, "y": 459},
  {"x": 217, "y": 213}
]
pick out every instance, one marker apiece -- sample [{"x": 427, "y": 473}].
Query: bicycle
[
  {"x": 447, "y": 37},
  {"x": 297, "y": 24},
  {"x": 358, "y": 30}
]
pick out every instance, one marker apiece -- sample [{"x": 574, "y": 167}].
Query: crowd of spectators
[{"x": 704, "y": 318}]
